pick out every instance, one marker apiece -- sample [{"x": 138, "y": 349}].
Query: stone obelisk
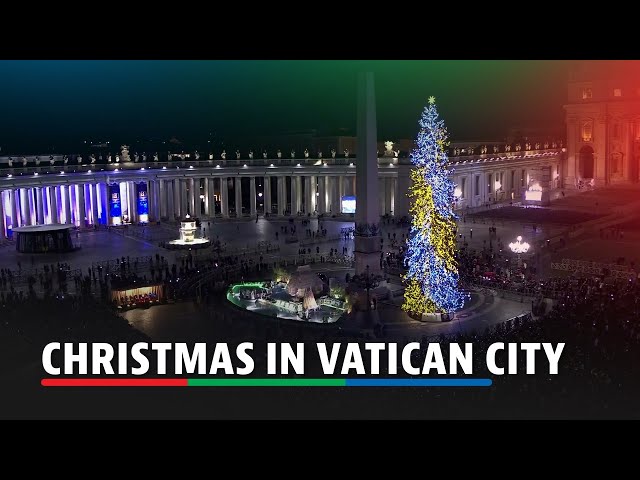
[{"x": 367, "y": 235}]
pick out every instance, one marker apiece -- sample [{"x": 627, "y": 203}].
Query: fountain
[{"x": 188, "y": 235}]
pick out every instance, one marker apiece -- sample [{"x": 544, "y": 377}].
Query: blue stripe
[{"x": 419, "y": 382}]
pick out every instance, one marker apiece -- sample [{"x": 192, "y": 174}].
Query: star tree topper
[{"x": 432, "y": 100}]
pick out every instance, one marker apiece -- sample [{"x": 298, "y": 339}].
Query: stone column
[
  {"x": 571, "y": 174},
  {"x": 322, "y": 197},
  {"x": 3, "y": 230},
  {"x": 25, "y": 208},
  {"x": 382, "y": 195},
  {"x": 367, "y": 247},
  {"x": 93, "y": 188},
  {"x": 66, "y": 192},
  {"x": 177, "y": 213},
  {"x": 313, "y": 198},
  {"x": 131, "y": 200},
  {"x": 224, "y": 197},
  {"x": 294, "y": 196},
  {"x": 39, "y": 206},
  {"x": 104, "y": 201},
  {"x": 171, "y": 209},
  {"x": 298, "y": 192},
  {"x": 252, "y": 196},
  {"x": 53, "y": 204},
  {"x": 158, "y": 202},
  {"x": 281, "y": 196},
  {"x": 162, "y": 193},
  {"x": 335, "y": 195},
  {"x": 267, "y": 195},
  {"x": 15, "y": 208},
  {"x": 184, "y": 198},
  {"x": 211, "y": 197},
  {"x": 82, "y": 212},
  {"x": 238, "y": 185},
  {"x": 207, "y": 211},
  {"x": 193, "y": 196},
  {"x": 389, "y": 196}
]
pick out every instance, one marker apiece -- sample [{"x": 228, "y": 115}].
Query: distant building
[{"x": 603, "y": 123}]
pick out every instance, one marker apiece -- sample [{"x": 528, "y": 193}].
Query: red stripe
[{"x": 114, "y": 382}]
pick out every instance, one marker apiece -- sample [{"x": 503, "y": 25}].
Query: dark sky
[{"x": 46, "y": 104}]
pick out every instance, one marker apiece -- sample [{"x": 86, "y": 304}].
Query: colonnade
[{"x": 135, "y": 201}]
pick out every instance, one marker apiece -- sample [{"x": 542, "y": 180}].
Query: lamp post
[
  {"x": 367, "y": 281},
  {"x": 519, "y": 247}
]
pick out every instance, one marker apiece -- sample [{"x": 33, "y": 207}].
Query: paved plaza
[{"x": 239, "y": 235}]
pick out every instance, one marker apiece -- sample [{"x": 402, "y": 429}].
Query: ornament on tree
[{"x": 432, "y": 270}]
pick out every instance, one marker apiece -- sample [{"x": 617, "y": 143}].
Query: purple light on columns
[
  {"x": 59, "y": 205},
  {"x": 99, "y": 200},
  {"x": 31, "y": 194},
  {"x": 46, "y": 206},
  {"x": 6, "y": 204}
]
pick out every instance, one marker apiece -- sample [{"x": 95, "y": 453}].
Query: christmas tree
[{"x": 432, "y": 275}]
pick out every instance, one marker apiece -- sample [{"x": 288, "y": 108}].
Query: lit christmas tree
[{"x": 432, "y": 275}]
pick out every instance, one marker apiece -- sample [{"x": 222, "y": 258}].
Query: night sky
[{"x": 56, "y": 105}]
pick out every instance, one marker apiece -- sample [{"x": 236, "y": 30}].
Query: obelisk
[{"x": 367, "y": 235}]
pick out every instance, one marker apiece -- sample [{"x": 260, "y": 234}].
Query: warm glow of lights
[
  {"x": 457, "y": 192},
  {"x": 533, "y": 195},
  {"x": 519, "y": 246}
]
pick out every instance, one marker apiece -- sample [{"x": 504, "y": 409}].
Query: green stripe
[{"x": 266, "y": 382}]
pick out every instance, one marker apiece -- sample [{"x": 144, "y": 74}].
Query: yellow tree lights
[{"x": 432, "y": 271}]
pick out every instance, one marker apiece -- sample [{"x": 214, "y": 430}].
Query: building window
[
  {"x": 587, "y": 93},
  {"x": 463, "y": 187},
  {"x": 476, "y": 187},
  {"x": 524, "y": 172},
  {"x": 617, "y": 92},
  {"x": 587, "y": 131}
]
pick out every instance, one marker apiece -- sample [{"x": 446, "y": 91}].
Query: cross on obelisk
[{"x": 367, "y": 237}]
